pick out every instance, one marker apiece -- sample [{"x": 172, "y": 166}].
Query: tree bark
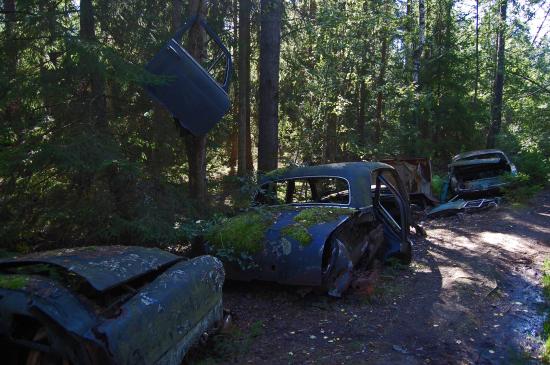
[
  {"x": 11, "y": 48},
  {"x": 361, "y": 115},
  {"x": 270, "y": 46},
  {"x": 98, "y": 104},
  {"x": 380, "y": 94},
  {"x": 331, "y": 135},
  {"x": 311, "y": 10},
  {"x": 177, "y": 11},
  {"x": 195, "y": 146},
  {"x": 417, "y": 55},
  {"x": 10, "y": 44},
  {"x": 244, "y": 86},
  {"x": 498, "y": 85},
  {"x": 476, "y": 82}
]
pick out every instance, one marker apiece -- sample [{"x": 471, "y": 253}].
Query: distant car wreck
[
  {"x": 313, "y": 224},
  {"x": 478, "y": 173},
  {"x": 106, "y": 305}
]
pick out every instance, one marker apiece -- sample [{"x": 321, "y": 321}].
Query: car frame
[
  {"x": 101, "y": 305},
  {"x": 373, "y": 222}
]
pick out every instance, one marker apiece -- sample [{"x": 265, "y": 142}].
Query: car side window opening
[{"x": 314, "y": 190}]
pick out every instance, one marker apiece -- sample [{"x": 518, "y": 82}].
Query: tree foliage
[{"x": 346, "y": 92}]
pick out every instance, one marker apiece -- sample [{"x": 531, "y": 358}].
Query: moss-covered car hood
[{"x": 104, "y": 267}]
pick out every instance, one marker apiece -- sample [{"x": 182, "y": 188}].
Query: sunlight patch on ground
[
  {"x": 462, "y": 241},
  {"x": 506, "y": 241},
  {"x": 420, "y": 267}
]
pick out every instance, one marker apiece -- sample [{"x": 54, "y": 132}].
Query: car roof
[
  {"x": 475, "y": 153},
  {"x": 346, "y": 170},
  {"x": 357, "y": 174},
  {"x": 104, "y": 267}
]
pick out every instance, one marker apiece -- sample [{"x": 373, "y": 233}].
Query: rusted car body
[
  {"x": 416, "y": 174},
  {"x": 345, "y": 211},
  {"x": 478, "y": 173},
  {"x": 106, "y": 305}
]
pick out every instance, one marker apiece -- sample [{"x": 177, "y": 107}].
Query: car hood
[{"x": 103, "y": 267}]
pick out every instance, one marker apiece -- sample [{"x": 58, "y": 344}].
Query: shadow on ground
[{"x": 471, "y": 296}]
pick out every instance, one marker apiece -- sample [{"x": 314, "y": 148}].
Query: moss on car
[
  {"x": 310, "y": 217},
  {"x": 317, "y": 215},
  {"x": 243, "y": 233},
  {"x": 13, "y": 282},
  {"x": 298, "y": 233}
]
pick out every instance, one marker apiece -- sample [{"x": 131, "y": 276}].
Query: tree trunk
[
  {"x": 233, "y": 142},
  {"x": 380, "y": 94},
  {"x": 233, "y": 146},
  {"x": 195, "y": 146},
  {"x": 10, "y": 46},
  {"x": 476, "y": 82},
  {"x": 270, "y": 47},
  {"x": 498, "y": 85},
  {"x": 361, "y": 115},
  {"x": 417, "y": 55},
  {"x": 408, "y": 39},
  {"x": 331, "y": 143},
  {"x": 244, "y": 85},
  {"x": 311, "y": 10},
  {"x": 98, "y": 105},
  {"x": 177, "y": 11}
]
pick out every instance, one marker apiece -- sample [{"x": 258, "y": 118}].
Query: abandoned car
[
  {"x": 478, "y": 173},
  {"x": 312, "y": 225},
  {"x": 106, "y": 305}
]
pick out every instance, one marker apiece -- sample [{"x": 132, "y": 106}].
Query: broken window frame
[
  {"x": 267, "y": 191},
  {"x": 402, "y": 227}
]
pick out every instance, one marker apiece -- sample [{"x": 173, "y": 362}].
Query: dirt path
[{"x": 471, "y": 296}]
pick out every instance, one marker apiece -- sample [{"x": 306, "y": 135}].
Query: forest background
[{"x": 87, "y": 157}]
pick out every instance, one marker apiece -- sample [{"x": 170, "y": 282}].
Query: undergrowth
[
  {"x": 228, "y": 346},
  {"x": 236, "y": 239},
  {"x": 520, "y": 188}
]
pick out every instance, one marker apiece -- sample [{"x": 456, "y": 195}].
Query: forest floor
[{"x": 472, "y": 295}]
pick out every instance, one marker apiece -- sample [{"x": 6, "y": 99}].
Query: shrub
[
  {"x": 520, "y": 188},
  {"x": 437, "y": 185},
  {"x": 535, "y": 165}
]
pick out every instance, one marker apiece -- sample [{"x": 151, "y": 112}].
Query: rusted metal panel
[
  {"x": 102, "y": 266},
  {"x": 416, "y": 175}
]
